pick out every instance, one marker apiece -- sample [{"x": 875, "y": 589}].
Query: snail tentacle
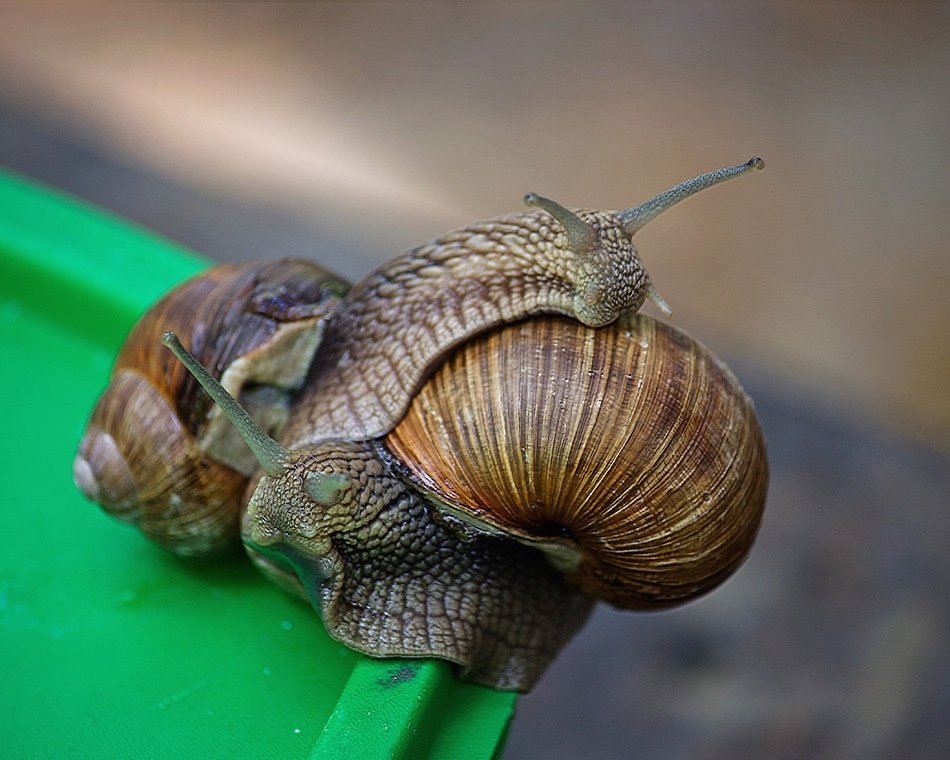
[
  {"x": 581, "y": 236},
  {"x": 272, "y": 457},
  {"x": 635, "y": 218}
]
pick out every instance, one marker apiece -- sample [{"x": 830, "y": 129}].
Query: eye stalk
[
  {"x": 636, "y": 217},
  {"x": 659, "y": 301},
  {"x": 272, "y": 457},
  {"x": 582, "y": 237}
]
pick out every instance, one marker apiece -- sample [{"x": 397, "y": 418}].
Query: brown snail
[
  {"x": 462, "y": 472},
  {"x": 157, "y": 452}
]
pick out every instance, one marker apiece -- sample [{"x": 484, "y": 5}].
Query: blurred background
[{"x": 348, "y": 132}]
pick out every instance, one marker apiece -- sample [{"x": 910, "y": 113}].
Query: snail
[
  {"x": 156, "y": 452},
  {"x": 489, "y": 438}
]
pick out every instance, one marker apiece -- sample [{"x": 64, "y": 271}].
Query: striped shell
[
  {"x": 630, "y": 453},
  {"x": 157, "y": 452}
]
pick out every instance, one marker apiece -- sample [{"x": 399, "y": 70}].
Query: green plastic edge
[
  {"x": 51, "y": 243},
  {"x": 414, "y": 709}
]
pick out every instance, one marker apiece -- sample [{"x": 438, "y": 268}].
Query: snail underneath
[{"x": 452, "y": 458}]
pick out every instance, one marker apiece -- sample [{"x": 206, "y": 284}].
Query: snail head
[
  {"x": 302, "y": 496},
  {"x": 611, "y": 279}
]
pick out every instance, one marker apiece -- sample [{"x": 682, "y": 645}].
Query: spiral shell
[
  {"x": 157, "y": 452},
  {"x": 629, "y": 453}
]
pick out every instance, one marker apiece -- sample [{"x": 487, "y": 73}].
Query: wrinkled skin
[
  {"x": 393, "y": 327},
  {"x": 389, "y": 579}
]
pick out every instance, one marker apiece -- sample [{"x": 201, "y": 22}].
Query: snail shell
[
  {"x": 157, "y": 452},
  {"x": 630, "y": 454}
]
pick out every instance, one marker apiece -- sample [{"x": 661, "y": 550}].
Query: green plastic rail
[{"x": 108, "y": 646}]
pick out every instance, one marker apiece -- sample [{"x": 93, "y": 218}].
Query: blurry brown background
[{"x": 348, "y": 132}]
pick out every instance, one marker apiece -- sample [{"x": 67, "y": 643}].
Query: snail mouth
[
  {"x": 277, "y": 572},
  {"x": 297, "y": 571}
]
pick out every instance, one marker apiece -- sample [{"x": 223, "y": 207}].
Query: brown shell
[
  {"x": 157, "y": 452},
  {"x": 629, "y": 453}
]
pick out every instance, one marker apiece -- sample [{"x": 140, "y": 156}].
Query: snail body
[{"x": 488, "y": 439}]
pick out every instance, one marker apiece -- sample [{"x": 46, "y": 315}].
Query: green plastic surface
[{"x": 111, "y": 648}]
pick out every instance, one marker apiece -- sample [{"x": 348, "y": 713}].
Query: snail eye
[{"x": 326, "y": 488}]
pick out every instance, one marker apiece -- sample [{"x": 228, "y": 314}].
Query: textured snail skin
[
  {"x": 393, "y": 327},
  {"x": 156, "y": 452},
  {"x": 390, "y": 580}
]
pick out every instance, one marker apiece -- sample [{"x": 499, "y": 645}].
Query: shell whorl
[
  {"x": 629, "y": 452},
  {"x": 393, "y": 327},
  {"x": 140, "y": 463}
]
